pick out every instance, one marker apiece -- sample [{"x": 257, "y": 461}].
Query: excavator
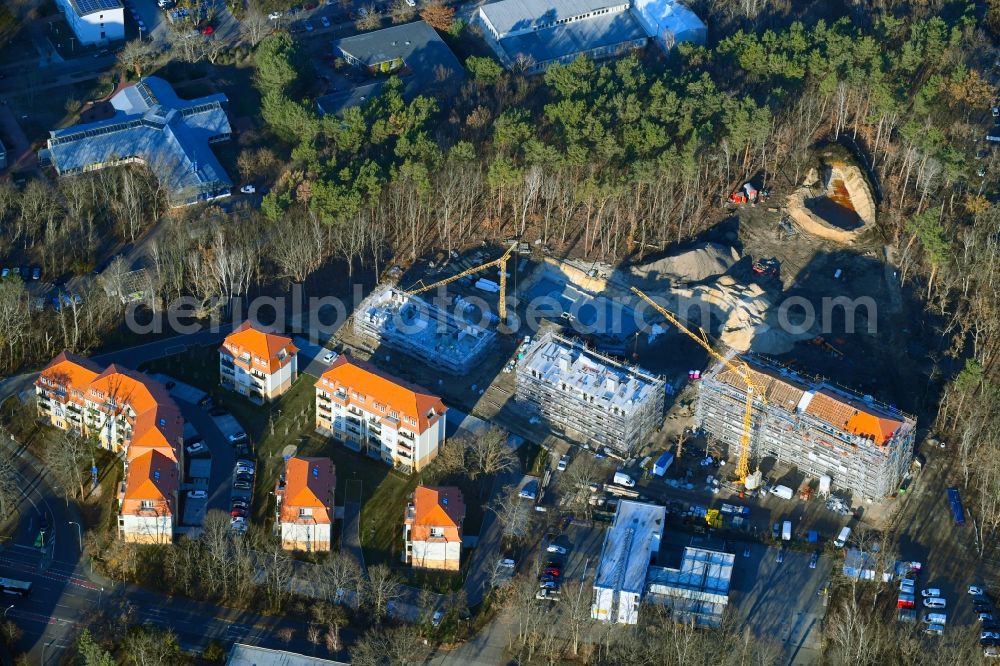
[{"x": 742, "y": 370}]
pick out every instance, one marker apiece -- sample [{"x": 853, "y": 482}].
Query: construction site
[
  {"x": 588, "y": 397},
  {"x": 847, "y": 441},
  {"x": 403, "y": 321}
]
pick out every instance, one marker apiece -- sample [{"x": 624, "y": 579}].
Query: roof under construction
[{"x": 630, "y": 544}]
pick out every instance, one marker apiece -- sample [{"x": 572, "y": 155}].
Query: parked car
[
  {"x": 746, "y": 551},
  {"x": 989, "y": 634},
  {"x": 329, "y": 357},
  {"x": 506, "y": 563},
  {"x": 239, "y": 524},
  {"x": 245, "y": 466},
  {"x": 548, "y": 585},
  {"x": 5, "y": 272},
  {"x": 241, "y": 485},
  {"x": 325, "y": 21},
  {"x": 552, "y": 571},
  {"x": 248, "y": 189},
  {"x": 813, "y": 560},
  {"x": 935, "y": 629},
  {"x": 907, "y": 585},
  {"x": 985, "y": 617},
  {"x": 529, "y": 491},
  {"x": 238, "y": 512},
  {"x": 563, "y": 464},
  {"x": 207, "y": 30},
  {"x": 240, "y": 502},
  {"x": 197, "y": 494},
  {"x": 555, "y": 548},
  {"x": 436, "y": 618},
  {"x": 36, "y": 273},
  {"x": 197, "y": 449},
  {"x": 930, "y": 592},
  {"x": 274, "y": 16},
  {"x": 935, "y": 602},
  {"x": 308, "y": 26},
  {"x": 237, "y": 437},
  {"x": 781, "y": 556},
  {"x": 975, "y": 589}
]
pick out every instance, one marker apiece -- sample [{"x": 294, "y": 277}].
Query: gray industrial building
[
  {"x": 410, "y": 324},
  {"x": 822, "y": 429},
  {"x": 698, "y": 590},
  {"x": 630, "y": 545},
  {"x": 412, "y": 51},
  {"x": 591, "y": 398},
  {"x": 532, "y": 35},
  {"x": 152, "y": 126}
]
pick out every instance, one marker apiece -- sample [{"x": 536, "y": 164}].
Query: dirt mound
[{"x": 695, "y": 265}]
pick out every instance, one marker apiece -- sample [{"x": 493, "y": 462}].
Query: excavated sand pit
[{"x": 839, "y": 209}]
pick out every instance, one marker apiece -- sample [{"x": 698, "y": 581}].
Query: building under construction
[
  {"x": 823, "y": 430},
  {"x": 442, "y": 339},
  {"x": 591, "y": 398}
]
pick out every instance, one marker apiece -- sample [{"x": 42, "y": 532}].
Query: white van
[
  {"x": 936, "y": 629},
  {"x": 936, "y": 618},
  {"x": 841, "y": 541}
]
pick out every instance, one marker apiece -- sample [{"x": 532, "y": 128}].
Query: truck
[
  {"x": 784, "y": 492},
  {"x": 663, "y": 463},
  {"x": 841, "y": 540},
  {"x": 623, "y": 479},
  {"x": 957, "y": 512},
  {"x": 786, "y": 530},
  {"x": 733, "y": 510}
]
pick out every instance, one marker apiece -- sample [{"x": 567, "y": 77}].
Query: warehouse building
[
  {"x": 94, "y": 21},
  {"x": 152, "y": 126},
  {"x": 532, "y": 36},
  {"x": 589, "y": 397},
  {"x": 630, "y": 546},
  {"x": 823, "y": 430}
]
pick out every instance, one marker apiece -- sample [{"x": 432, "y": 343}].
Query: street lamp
[{"x": 79, "y": 534}]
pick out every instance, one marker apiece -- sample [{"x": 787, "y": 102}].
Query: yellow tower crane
[
  {"x": 741, "y": 369},
  {"x": 501, "y": 262}
]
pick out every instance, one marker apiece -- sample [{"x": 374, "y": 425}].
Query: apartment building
[
  {"x": 131, "y": 415},
  {"x": 304, "y": 513},
  {"x": 368, "y": 410},
  {"x": 630, "y": 546},
  {"x": 432, "y": 528},
  {"x": 862, "y": 445},
  {"x": 257, "y": 363},
  {"x": 588, "y": 397}
]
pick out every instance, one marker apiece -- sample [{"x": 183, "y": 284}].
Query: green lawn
[{"x": 291, "y": 420}]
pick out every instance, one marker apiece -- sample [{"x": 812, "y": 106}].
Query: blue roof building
[
  {"x": 152, "y": 125},
  {"x": 531, "y": 36}
]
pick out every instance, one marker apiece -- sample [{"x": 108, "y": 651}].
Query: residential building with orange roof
[
  {"x": 432, "y": 528},
  {"x": 369, "y": 410},
  {"x": 862, "y": 445},
  {"x": 131, "y": 415},
  {"x": 304, "y": 511},
  {"x": 257, "y": 363}
]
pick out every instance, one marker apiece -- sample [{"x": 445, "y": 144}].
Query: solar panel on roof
[{"x": 91, "y": 6}]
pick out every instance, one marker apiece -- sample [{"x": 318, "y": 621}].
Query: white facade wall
[
  {"x": 369, "y": 429},
  {"x": 429, "y": 552},
  {"x": 148, "y": 529},
  {"x": 100, "y": 27},
  {"x": 306, "y": 533},
  {"x": 622, "y": 608},
  {"x": 261, "y": 381}
]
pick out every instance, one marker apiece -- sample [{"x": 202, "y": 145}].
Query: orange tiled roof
[
  {"x": 151, "y": 476},
  {"x": 441, "y": 506},
  {"x": 259, "y": 342},
  {"x": 158, "y": 423},
  {"x": 71, "y": 371},
  {"x": 407, "y": 399},
  {"x": 309, "y": 483}
]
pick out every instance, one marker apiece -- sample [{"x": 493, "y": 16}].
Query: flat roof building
[
  {"x": 153, "y": 126},
  {"x": 534, "y": 35},
  {"x": 630, "y": 546},
  {"x": 413, "y": 51},
  {"x": 824, "y": 430},
  {"x": 589, "y": 397},
  {"x": 697, "y": 590},
  {"x": 254, "y": 655},
  {"x": 412, "y": 325}
]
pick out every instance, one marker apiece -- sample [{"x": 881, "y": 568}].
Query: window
[
  {"x": 437, "y": 532},
  {"x": 379, "y": 406},
  {"x": 393, "y": 414},
  {"x": 145, "y": 504},
  {"x": 305, "y": 513}
]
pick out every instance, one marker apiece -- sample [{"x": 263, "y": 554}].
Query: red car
[
  {"x": 207, "y": 30},
  {"x": 238, "y": 512},
  {"x": 552, "y": 571}
]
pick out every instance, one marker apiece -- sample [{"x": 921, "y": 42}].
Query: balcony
[
  {"x": 355, "y": 411},
  {"x": 406, "y": 434},
  {"x": 226, "y": 362},
  {"x": 323, "y": 398}
]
